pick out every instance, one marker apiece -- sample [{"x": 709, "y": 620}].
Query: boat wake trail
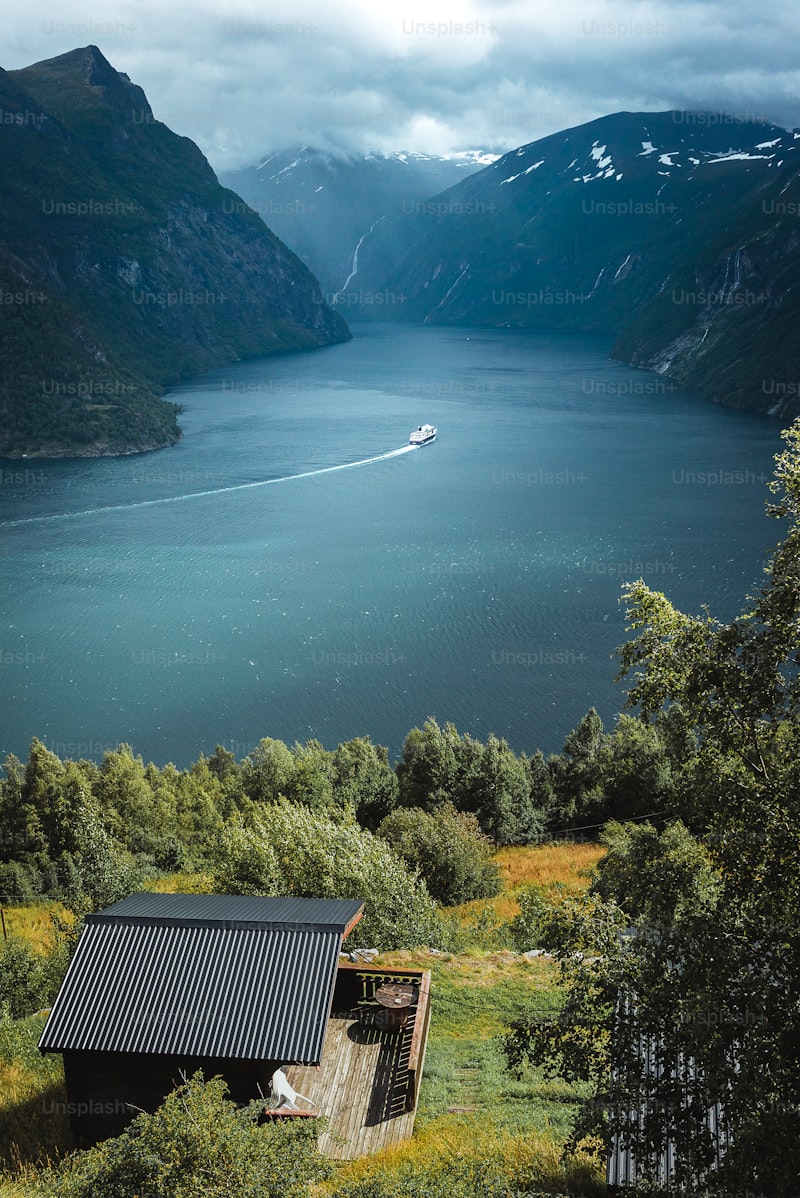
[{"x": 265, "y": 482}]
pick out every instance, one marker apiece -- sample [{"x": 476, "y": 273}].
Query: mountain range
[
  {"x": 323, "y": 204},
  {"x": 677, "y": 232},
  {"x": 124, "y": 266}
]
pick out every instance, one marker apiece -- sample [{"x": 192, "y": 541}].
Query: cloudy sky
[{"x": 243, "y": 77}]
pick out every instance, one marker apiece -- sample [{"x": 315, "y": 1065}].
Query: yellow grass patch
[
  {"x": 182, "y": 884},
  {"x": 523, "y": 1157},
  {"x": 546, "y": 865},
  {"x": 35, "y": 922},
  {"x": 14, "y": 1189}
]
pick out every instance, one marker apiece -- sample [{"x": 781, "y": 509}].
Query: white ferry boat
[{"x": 422, "y": 435}]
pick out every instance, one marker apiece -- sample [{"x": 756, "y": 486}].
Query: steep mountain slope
[
  {"x": 584, "y": 229},
  {"x": 124, "y": 266},
  {"x": 728, "y": 320},
  {"x": 322, "y": 205}
]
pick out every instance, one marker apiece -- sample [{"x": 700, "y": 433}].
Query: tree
[
  {"x": 713, "y": 977},
  {"x": 576, "y": 780},
  {"x": 222, "y": 763},
  {"x": 540, "y": 784},
  {"x": 20, "y": 827},
  {"x": 221, "y": 779},
  {"x": 635, "y": 772},
  {"x": 267, "y": 771},
  {"x": 54, "y": 796},
  {"x": 438, "y": 766},
  {"x": 22, "y": 979},
  {"x": 190, "y": 803},
  {"x": 246, "y": 862},
  {"x": 311, "y": 782},
  {"x": 100, "y": 871},
  {"x": 427, "y": 771},
  {"x": 500, "y": 796},
  {"x": 126, "y": 799},
  {"x": 363, "y": 780},
  {"x": 285, "y": 848},
  {"x": 660, "y": 878}
]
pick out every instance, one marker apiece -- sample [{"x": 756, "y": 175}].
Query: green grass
[
  {"x": 475, "y": 996},
  {"x": 34, "y": 1127}
]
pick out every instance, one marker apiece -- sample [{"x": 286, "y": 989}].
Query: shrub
[
  {"x": 529, "y": 928},
  {"x": 449, "y": 850},
  {"x": 19, "y": 882},
  {"x": 23, "y": 979},
  {"x": 197, "y": 1144}
]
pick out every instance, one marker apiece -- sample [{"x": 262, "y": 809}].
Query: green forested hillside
[{"x": 124, "y": 266}]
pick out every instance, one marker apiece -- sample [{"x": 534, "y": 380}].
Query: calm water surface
[{"x": 476, "y": 579}]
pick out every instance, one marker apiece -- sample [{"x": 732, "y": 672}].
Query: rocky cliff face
[
  {"x": 726, "y": 320},
  {"x": 124, "y": 266}
]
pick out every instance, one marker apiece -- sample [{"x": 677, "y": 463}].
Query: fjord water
[{"x": 182, "y": 598}]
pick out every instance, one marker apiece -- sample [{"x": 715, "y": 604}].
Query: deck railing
[
  {"x": 419, "y": 1040},
  {"x": 357, "y": 984}
]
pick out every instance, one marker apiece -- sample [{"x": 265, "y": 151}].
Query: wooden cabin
[{"x": 162, "y": 985}]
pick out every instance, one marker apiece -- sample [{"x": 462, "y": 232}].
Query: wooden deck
[{"x": 364, "y": 1085}]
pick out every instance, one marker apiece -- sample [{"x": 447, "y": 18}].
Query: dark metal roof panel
[
  {"x": 622, "y": 1168},
  {"x": 257, "y": 993},
  {"x": 230, "y": 909}
]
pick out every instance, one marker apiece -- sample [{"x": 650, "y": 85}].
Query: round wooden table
[{"x": 396, "y": 1000}]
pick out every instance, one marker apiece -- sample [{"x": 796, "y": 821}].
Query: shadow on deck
[{"x": 367, "y": 1084}]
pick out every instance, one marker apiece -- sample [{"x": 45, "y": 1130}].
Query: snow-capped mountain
[
  {"x": 594, "y": 227},
  {"x": 321, "y": 205}
]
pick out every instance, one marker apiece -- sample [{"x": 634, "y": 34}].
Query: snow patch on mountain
[
  {"x": 739, "y": 156},
  {"x": 527, "y": 171},
  {"x": 472, "y": 158}
]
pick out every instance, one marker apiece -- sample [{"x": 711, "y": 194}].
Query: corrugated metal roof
[
  {"x": 232, "y": 909},
  {"x": 203, "y": 978}
]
